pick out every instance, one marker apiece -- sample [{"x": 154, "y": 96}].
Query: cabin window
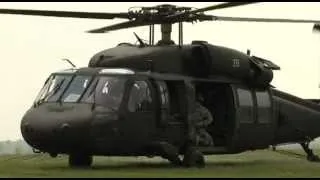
[
  {"x": 245, "y": 98},
  {"x": 140, "y": 97},
  {"x": 263, "y": 99},
  {"x": 264, "y": 107},
  {"x": 245, "y": 105}
]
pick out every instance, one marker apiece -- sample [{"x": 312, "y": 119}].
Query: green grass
[{"x": 263, "y": 163}]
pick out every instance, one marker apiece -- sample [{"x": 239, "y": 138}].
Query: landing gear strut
[
  {"x": 310, "y": 155},
  {"x": 170, "y": 152},
  {"x": 193, "y": 158}
]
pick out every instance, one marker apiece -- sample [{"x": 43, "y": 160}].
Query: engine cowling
[
  {"x": 261, "y": 78},
  {"x": 261, "y": 72}
]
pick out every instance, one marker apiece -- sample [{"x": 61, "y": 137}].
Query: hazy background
[{"x": 32, "y": 47}]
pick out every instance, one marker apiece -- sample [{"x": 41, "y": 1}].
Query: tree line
[{"x": 15, "y": 147}]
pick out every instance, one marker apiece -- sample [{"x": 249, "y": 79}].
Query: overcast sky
[{"x": 32, "y": 47}]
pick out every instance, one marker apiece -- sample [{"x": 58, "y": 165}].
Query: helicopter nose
[{"x": 57, "y": 128}]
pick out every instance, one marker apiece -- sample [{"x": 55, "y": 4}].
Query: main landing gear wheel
[
  {"x": 170, "y": 152},
  {"x": 193, "y": 158},
  {"x": 80, "y": 160}
]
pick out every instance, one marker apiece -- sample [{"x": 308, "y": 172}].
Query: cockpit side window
[
  {"x": 140, "y": 98},
  {"x": 109, "y": 92}
]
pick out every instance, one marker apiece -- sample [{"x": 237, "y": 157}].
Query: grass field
[{"x": 263, "y": 163}]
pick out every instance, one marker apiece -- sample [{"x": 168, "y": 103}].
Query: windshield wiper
[
  {"x": 54, "y": 91},
  {"x": 93, "y": 88}
]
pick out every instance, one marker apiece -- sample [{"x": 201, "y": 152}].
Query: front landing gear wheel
[
  {"x": 193, "y": 158},
  {"x": 80, "y": 160}
]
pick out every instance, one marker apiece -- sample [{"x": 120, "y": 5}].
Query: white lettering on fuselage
[{"x": 236, "y": 63}]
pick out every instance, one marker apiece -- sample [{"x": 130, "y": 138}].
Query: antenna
[
  {"x": 140, "y": 40},
  {"x": 69, "y": 62}
]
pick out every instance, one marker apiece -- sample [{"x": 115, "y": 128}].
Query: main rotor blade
[
  {"x": 210, "y": 8},
  {"x": 221, "y": 6},
  {"x": 246, "y": 19},
  {"x": 127, "y": 24},
  {"x": 65, "y": 14}
]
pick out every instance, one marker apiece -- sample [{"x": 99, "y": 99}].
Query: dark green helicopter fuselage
[{"x": 131, "y": 100}]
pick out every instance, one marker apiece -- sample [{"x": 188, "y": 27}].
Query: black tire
[
  {"x": 193, "y": 158},
  {"x": 80, "y": 160},
  {"x": 170, "y": 153}
]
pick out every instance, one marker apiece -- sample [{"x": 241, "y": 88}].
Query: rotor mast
[
  {"x": 165, "y": 26},
  {"x": 166, "y": 30}
]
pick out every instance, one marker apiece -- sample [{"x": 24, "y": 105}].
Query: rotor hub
[{"x": 159, "y": 14}]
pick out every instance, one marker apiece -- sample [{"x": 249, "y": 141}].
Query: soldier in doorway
[
  {"x": 202, "y": 120},
  {"x": 199, "y": 119}
]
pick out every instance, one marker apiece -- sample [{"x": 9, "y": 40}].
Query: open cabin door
[
  {"x": 173, "y": 111},
  {"x": 124, "y": 116},
  {"x": 137, "y": 123},
  {"x": 254, "y": 122}
]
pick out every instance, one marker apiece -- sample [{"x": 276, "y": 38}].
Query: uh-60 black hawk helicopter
[{"x": 136, "y": 100}]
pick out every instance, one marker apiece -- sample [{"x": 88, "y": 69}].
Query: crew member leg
[
  {"x": 192, "y": 156},
  {"x": 205, "y": 138}
]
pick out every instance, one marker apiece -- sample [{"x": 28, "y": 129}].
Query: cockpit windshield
[
  {"x": 53, "y": 88},
  {"x": 102, "y": 90},
  {"x": 78, "y": 85}
]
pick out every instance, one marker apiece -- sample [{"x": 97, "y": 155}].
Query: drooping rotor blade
[
  {"x": 246, "y": 19},
  {"x": 65, "y": 14},
  {"x": 127, "y": 24},
  {"x": 221, "y": 6},
  {"x": 210, "y": 8}
]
